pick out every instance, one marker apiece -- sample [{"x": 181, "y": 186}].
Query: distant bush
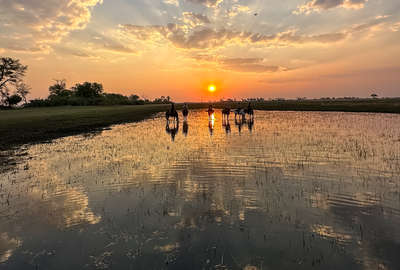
[
  {"x": 115, "y": 99},
  {"x": 38, "y": 103},
  {"x": 88, "y": 90}
]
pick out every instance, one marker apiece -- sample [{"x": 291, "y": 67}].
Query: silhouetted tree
[
  {"x": 134, "y": 98},
  {"x": 59, "y": 89},
  {"x": 13, "y": 100},
  {"x": 162, "y": 100},
  {"x": 88, "y": 90},
  {"x": 23, "y": 90},
  {"x": 11, "y": 74},
  {"x": 374, "y": 95}
]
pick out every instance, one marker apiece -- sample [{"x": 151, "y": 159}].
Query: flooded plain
[{"x": 291, "y": 190}]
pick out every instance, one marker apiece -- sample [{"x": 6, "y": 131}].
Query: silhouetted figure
[
  {"x": 185, "y": 128},
  {"x": 225, "y": 113},
  {"x": 185, "y": 112},
  {"x": 172, "y": 113},
  {"x": 249, "y": 110},
  {"x": 172, "y": 130},
  {"x": 210, "y": 111},
  {"x": 225, "y": 120},
  {"x": 240, "y": 113}
]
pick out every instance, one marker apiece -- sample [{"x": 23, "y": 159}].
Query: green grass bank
[{"x": 39, "y": 124}]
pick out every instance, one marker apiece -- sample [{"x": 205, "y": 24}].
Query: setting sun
[{"x": 212, "y": 88}]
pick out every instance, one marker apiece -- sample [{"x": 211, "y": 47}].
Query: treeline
[
  {"x": 13, "y": 91},
  {"x": 88, "y": 94}
]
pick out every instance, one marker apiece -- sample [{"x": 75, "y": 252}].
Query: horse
[
  {"x": 250, "y": 124},
  {"x": 172, "y": 113},
  {"x": 225, "y": 113},
  {"x": 241, "y": 113},
  {"x": 250, "y": 112},
  {"x": 210, "y": 112}
]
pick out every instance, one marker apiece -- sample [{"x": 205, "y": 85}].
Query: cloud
[
  {"x": 102, "y": 42},
  {"x": 208, "y": 3},
  {"x": 396, "y": 27},
  {"x": 194, "y": 19},
  {"x": 36, "y": 24},
  {"x": 361, "y": 73},
  {"x": 176, "y": 34},
  {"x": 72, "y": 51},
  {"x": 7, "y": 246},
  {"x": 172, "y": 2},
  {"x": 249, "y": 65},
  {"x": 319, "y": 5},
  {"x": 208, "y": 38},
  {"x": 369, "y": 26},
  {"x": 237, "y": 9}
]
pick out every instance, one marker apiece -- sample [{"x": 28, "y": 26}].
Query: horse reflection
[
  {"x": 226, "y": 124},
  {"x": 172, "y": 129},
  {"x": 185, "y": 128},
  {"x": 211, "y": 123},
  {"x": 239, "y": 123},
  {"x": 250, "y": 124},
  {"x": 185, "y": 112}
]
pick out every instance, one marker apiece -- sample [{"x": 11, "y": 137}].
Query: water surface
[{"x": 293, "y": 190}]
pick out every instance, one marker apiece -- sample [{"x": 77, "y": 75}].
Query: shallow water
[{"x": 293, "y": 190}]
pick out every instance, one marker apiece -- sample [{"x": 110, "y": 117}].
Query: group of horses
[
  {"x": 239, "y": 113},
  {"x": 240, "y": 119}
]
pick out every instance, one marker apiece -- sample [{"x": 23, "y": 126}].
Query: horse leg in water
[
  {"x": 176, "y": 117},
  {"x": 167, "y": 116},
  {"x": 251, "y": 113},
  {"x": 185, "y": 114}
]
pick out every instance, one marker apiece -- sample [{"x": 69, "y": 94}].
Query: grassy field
[
  {"x": 391, "y": 105},
  {"x": 38, "y": 124}
]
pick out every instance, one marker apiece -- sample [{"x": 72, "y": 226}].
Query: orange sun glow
[{"x": 212, "y": 88}]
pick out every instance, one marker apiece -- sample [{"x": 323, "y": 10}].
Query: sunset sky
[{"x": 255, "y": 48}]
